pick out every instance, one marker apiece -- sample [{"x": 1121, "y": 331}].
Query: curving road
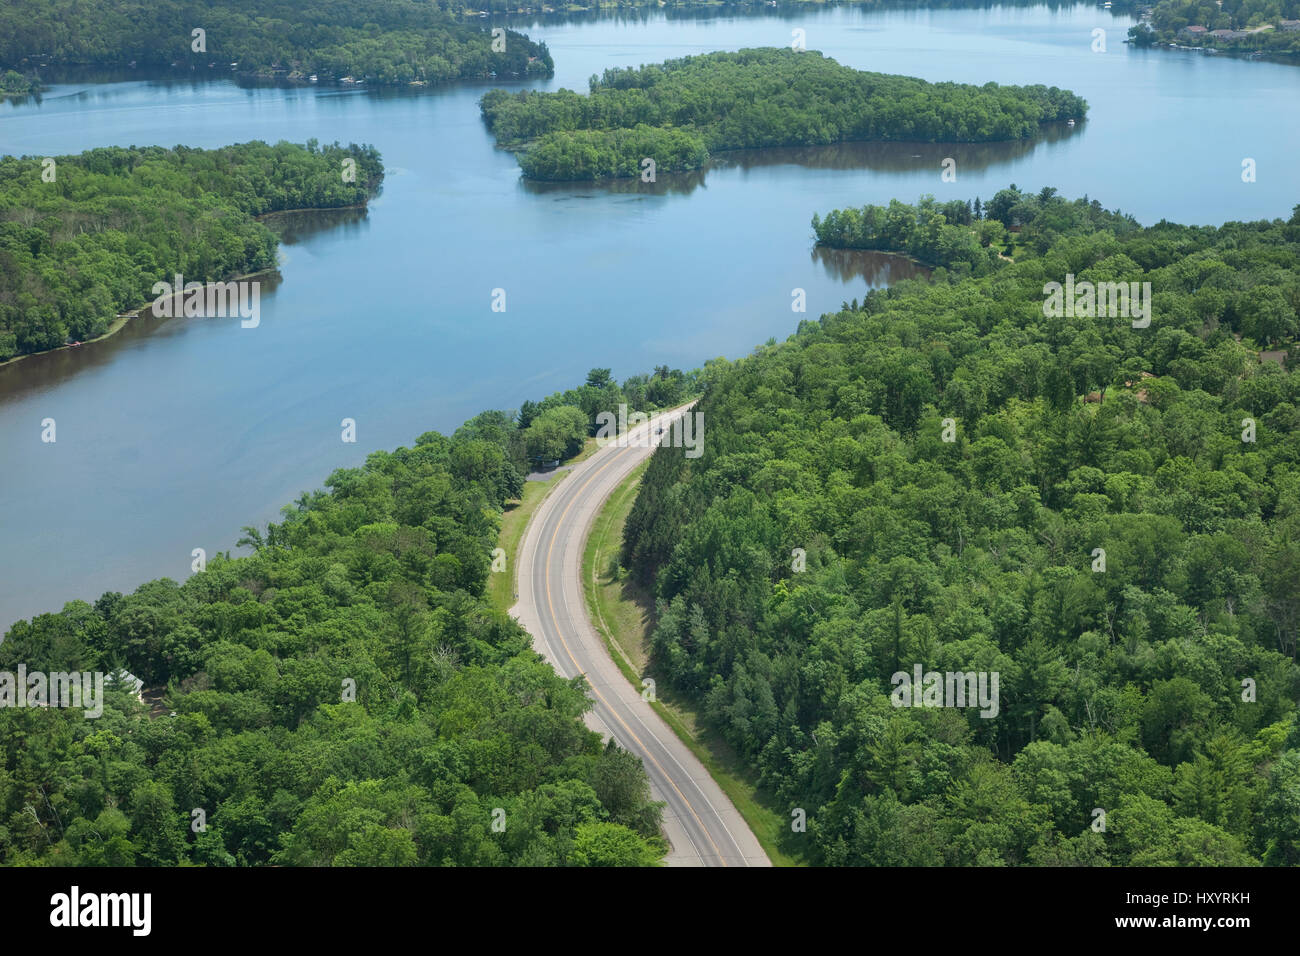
[{"x": 702, "y": 826}]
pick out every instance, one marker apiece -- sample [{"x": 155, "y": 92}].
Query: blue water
[{"x": 174, "y": 434}]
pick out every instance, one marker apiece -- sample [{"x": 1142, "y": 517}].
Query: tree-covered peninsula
[
  {"x": 381, "y": 42},
  {"x": 964, "y": 238},
  {"x": 343, "y": 696},
  {"x": 954, "y": 478},
  {"x": 84, "y": 238},
  {"x": 678, "y": 112},
  {"x": 979, "y": 240}
]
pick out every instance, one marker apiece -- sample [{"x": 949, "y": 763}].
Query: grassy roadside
[
  {"x": 501, "y": 584},
  {"x": 622, "y": 613}
]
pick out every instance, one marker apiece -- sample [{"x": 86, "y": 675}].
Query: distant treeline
[
  {"x": 342, "y": 697},
  {"x": 944, "y": 477},
  {"x": 964, "y": 238},
  {"x": 86, "y": 238},
  {"x": 677, "y": 112},
  {"x": 705, "y": 8},
  {"x": 378, "y": 41},
  {"x": 1169, "y": 17}
]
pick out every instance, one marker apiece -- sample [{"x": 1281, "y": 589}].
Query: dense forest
[
  {"x": 86, "y": 238},
  {"x": 342, "y": 696},
  {"x": 1261, "y": 19},
  {"x": 679, "y": 111},
  {"x": 977, "y": 240},
  {"x": 945, "y": 477},
  {"x": 378, "y": 41}
]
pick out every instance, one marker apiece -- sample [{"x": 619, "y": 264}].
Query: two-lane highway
[{"x": 700, "y": 822}]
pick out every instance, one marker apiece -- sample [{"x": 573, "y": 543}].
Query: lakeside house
[
  {"x": 1193, "y": 31},
  {"x": 1290, "y": 26},
  {"x": 1229, "y": 34}
]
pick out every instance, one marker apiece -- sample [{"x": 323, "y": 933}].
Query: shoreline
[
  {"x": 522, "y": 146},
  {"x": 121, "y": 320},
  {"x": 929, "y": 266},
  {"x": 1281, "y": 57},
  {"x": 290, "y": 212}
]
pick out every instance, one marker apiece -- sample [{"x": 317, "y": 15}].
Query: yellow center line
[{"x": 554, "y": 620}]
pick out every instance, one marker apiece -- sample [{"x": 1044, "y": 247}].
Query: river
[{"x": 175, "y": 433}]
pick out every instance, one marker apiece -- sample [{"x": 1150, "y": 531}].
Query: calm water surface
[{"x": 175, "y": 433}]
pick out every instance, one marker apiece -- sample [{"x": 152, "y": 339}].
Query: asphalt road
[{"x": 700, "y": 822}]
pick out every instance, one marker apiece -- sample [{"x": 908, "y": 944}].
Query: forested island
[
  {"x": 84, "y": 238},
  {"x": 382, "y": 42},
  {"x": 1265, "y": 26},
  {"x": 678, "y": 112},
  {"x": 944, "y": 477},
  {"x": 343, "y": 696}
]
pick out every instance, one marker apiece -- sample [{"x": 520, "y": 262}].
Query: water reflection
[
  {"x": 48, "y": 370},
  {"x": 896, "y": 158},
  {"x": 781, "y": 11},
  {"x": 297, "y": 226},
  {"x": 877, "y": 268},
  {"x": 665, "y": 184}
]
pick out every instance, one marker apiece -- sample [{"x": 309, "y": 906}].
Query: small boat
[
  {"x": 1069, "y": 122},
  {"x": 312, "y": 78}
]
